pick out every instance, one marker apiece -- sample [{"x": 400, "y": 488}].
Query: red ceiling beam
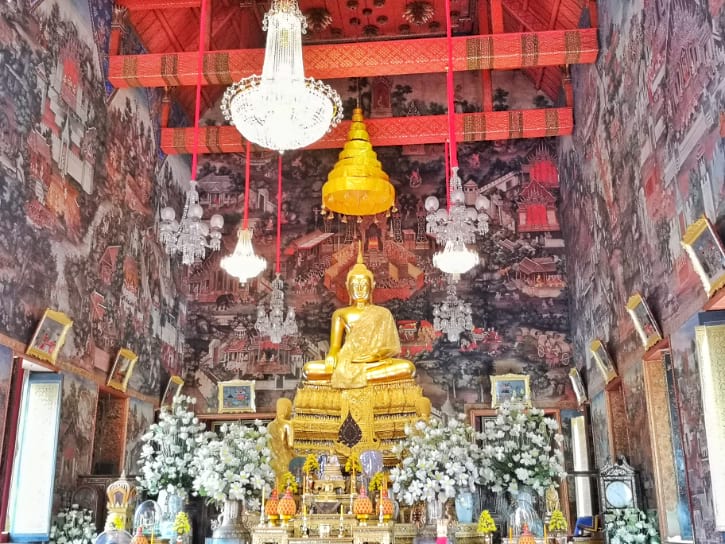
[
  {"x": 145, "y": 5},
  {"x": 428, "y": 129},
  {"x": 369, "y": 59}
]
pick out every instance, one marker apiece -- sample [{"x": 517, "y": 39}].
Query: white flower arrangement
[
  {"x": 625, "y": 525},
  {"x": 73, "y": 525},
  {"x": 521, "y": 447},
  {"x": 436, "y": 461},
  {"x": 169, "y": 447},
  {"x": 235, "y": 466}
]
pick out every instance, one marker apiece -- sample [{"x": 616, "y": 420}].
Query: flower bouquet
[
  {"x": 521, "y": 448},
  {"x": 486, "y": 526},
  {"x": 235, "y": 466},
  {"x": 73, "y": 525},
  {"x": 436, "y": 461},
  {"x": 169, "y": 447},
  {"x": 624, "y": 525}
]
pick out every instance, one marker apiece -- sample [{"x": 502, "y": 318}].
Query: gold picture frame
[
  {"x": 604, "y": 361},
  {"x": 707, "y": 254},
  {"x": 578, "y": 386},
  {"x": 173, "y": 388},
  {"x": 122, "y": 369},
  {"x": 644, "y": 321},
  {"x": 49, "y": 336},
  {"x": 509, "y": 387},
  {"x": 236, "y": 396}
]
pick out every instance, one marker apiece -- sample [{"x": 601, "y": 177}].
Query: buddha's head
[
  {"x": 284, "y": 407},
  {"x": 360, "y": 282}
]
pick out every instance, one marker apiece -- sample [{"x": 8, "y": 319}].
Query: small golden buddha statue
[
  {"x": 371, "y": 342},
  {"x": 281, "y": 438}
]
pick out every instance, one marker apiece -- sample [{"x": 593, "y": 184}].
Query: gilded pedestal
[{"x": 350, "y": 421}]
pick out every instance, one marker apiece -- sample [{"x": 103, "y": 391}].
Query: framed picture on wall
[
  {"x": 604, "y": 361},
  {"x": 122, "y": 369},
  {"x": 236, "y": 396},
  {"x": 644, "y": 321},
  {"x": 173, "y": 388},
  {"x": 578, "y": 386},
  {"x": 49, "y": 336},
  {"x": 707, "y": 254},
  {"x": 510, "y": 387}
]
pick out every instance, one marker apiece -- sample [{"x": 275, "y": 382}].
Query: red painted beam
[
  {"x": 415, "y": 56},
  {"x": 145, "y": 5},
  {"x": 428, "y": 129}
]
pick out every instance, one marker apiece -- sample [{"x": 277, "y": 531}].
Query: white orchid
[
  {"x": 436, "y": 461},
  {"x": 73, "y": 525},
  {"x": 169, "y": 446},
  {"x": 520, "y": 447},
  {"x": 236, "y": 465}
]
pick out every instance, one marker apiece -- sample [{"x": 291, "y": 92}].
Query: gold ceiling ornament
[
  {"x": 357, "y": 185},
  {"x": 318, "y": 19},
  {"x": 418, "y": 12}
]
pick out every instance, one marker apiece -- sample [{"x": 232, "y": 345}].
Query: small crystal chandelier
[
  {"x": 452, "y": 316},
  {"x": 243, "y": 263},
  {"x": 274, "y": 324},
  {"x": 281, "y": 109},
  {"x": 190, "y": 236}
]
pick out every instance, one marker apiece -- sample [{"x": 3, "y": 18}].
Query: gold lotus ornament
[{"x": 357, "y": 185}]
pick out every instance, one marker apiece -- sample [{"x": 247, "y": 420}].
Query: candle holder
[{"x": 341, "y": 527}]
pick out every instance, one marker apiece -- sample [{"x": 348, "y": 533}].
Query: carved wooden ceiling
[{"x": 350, "y": 38}]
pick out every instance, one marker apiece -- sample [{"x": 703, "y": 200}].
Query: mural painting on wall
[
  {"x": 140, "y": 417},
  {"x": 694, "y": 440},
  {"x": 80, "y": 184},
  {"x": 518, "y": 294},
  {"x": 600, "y": 436},
  {"x": 643, "y": 162},
  {"x": 77, "y": 429}
]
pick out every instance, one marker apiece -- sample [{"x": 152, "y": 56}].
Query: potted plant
[
  {"x": 232, "y": 470},
  {"x": 486, "y": 526},
  {"x": 437, "y": 462},
  {"x": 73, "y": 525},
  {"x": 625, "y": 525},
  {"x": 558, "y": 525}
]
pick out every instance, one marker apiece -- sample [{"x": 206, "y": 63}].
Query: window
[{"x": 31, "y": 493}]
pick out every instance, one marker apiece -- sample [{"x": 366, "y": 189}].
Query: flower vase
[
  {"x": 435, "y": 509},
  {"x": 464, "y": 507},
  {"x": 171, "y": 504},
  {"x": 231, "y": 523},
  {"x": 523, "y": 514}
]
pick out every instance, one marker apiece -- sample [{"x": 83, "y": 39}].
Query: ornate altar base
[{"x": 350, "y": 421}]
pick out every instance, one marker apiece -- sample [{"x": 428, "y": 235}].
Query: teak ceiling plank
[
  {"x": 145, "y": 5},
  {"x": 428, "y": 129},
  {"x": 369, "y": 59}
]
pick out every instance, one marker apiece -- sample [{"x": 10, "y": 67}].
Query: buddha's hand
[{"x": 330, "y": 363}]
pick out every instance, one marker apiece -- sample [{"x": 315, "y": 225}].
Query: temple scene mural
[{"x": 370, "y": 271}]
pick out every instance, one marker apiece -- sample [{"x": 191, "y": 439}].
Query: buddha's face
[{"x": 360, "y": 288}]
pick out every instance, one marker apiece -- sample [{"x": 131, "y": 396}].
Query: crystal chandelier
[
  {"x": 458, "y": 224},
  {"x": 274, "y": 324},
  {"x": 452, "y": 316},
  {"x": 281, "y": 109},
  {"x": 190, "y": 236},
  {"x": 243, "y": 263}
]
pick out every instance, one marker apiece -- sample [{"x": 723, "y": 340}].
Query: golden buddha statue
[
  {"x": 281, "y": 438},
  {"x": 371, "y": 342}
]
